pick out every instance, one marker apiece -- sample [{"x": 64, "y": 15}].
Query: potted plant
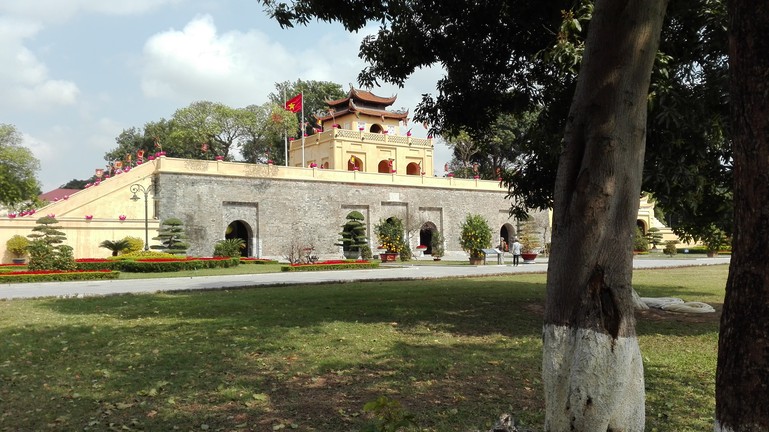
[
  {"x": 390, "y": 232},
  {"x": 529, "y": 244},
  {"x": 353, "y": 235},
  {"x": 714, "y": 239},
  {"x": 475, "y": 235},
  {"x": 436, "y": 244},
  {"x": 17, "y": 246}
]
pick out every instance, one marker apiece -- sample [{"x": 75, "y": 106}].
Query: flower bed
[
  {"x": 257, "y": 261},
  {"x": 331, "y": 265},
  {"x": 55, "y": 275}
]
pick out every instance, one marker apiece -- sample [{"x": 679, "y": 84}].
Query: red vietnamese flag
[{"x": 295, "y": 103}]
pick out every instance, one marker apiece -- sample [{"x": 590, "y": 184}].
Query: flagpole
[
  {"x": 303, "y": 129},
  {"x": 285, "y": 131}
]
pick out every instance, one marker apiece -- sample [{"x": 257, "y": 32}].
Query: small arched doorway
[
  {"x": 641, "y": 226},
  {"x": 506, "y": 234},
  {"x": 384, "y": 166},
  {"x": 376, "y": 128},
  {"x": 240, "y": 229},
  {"x": 354, "y": 164},
  {"x": 426, "y": 236},
  {"x": 413, "y": 169}
]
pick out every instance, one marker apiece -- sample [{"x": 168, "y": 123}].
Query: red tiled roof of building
[
  {"x": 57, "y": 194},
  {"x": 363, "y": 96}
]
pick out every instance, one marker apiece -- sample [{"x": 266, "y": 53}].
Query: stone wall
[{"x": 281, "y": 211}]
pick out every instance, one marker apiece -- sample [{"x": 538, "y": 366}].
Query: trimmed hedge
[
  {"x": 169, "y": 265},
  {"x": 257, "y": 261},
  {"x": 7, "y": 268},
  {"x": 153, "y": 265},
  {"x": 351, "y": 265},
  {"x": 58, "y": 276}
]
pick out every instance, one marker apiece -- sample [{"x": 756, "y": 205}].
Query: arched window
[
  {"x": 375, "y": 128},
  {"x": 384, "y": 166},
  {"x": 354, "y": 164},
  {"x": 413, "y": 169}
]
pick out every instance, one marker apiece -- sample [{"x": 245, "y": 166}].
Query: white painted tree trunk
[
  {"x": 581, "y": 392},
  {"x": 592, "y": 369}
]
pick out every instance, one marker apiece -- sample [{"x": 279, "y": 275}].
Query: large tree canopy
[{"x": 18, "y": 169}]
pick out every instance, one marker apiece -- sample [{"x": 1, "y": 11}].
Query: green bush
[
  {"x": 46, "y": 250},
  {"x": 135, "y": 244},
  {"x": 640, "y": 244},
  {"x": 365, "y": 253},
  {"x": 352, "y": 265},
  {"x": 353, "y": 235},
  {"x": 406, "y": 253},
  {"x": 17, "y": 246},
  {"x": 390, "y": 232},
  {"x": 436, "y": 244},
  {"x": 244, "y": 260},
  {"x": 98, "y": 265},
  {"x": 670, "y": 248},
  {"x": 59, "y": 276},
  {"x": 145, "y": 254},
  {"x": 162, "y": 266},
  {"x": 231, "y": 247}
]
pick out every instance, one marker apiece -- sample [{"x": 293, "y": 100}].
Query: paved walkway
[{"x": 386, "y": 273}]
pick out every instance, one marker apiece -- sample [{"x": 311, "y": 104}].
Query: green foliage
[
  {"x": 176, "y": 265},
  {"x": 714, "y": 239},
  {"x": 135, "y": 244},
  {"x": 115, "y": 246},
  {"x": 231, "y": 247},
  {"x": 350, "y": 265},
  {"x": 365, "y": 253},
  {"x": 654, "y": 237},
  {"x": 17, "y": 246},
  {"x": 406, "y": 254},
  {"x": 46, "y": 249},
  {"x": 475, "y": 235},
  {"x": 436, "y": 244},
  {"x": 316, "y": 93},
  {"x": 171, "y": 236},
  {"x": 390, "y": 234},
  {"x": 149, "y": 254},
  {"x": 64, "y": 276},
  {"x": 670, "y": 248},
  {"x": 18, "y": 167},
  {"x": 640, "y": 244},
  {"x": 389, "y": 415},
  {"x": 353, "y": 235}
]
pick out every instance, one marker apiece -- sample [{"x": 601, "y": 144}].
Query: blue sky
[{"x": 77, "y": 72}]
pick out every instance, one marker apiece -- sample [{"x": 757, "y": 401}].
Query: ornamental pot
[
  {"x": 387, "y": 256},
  {"x": 476, "y": 261},
  {"x": 529, "y": 257},
  {"x": 18, "y": 260},
  {"x": 351, "y": 254}
]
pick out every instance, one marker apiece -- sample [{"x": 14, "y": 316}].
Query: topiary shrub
[
  {"x": 171, "y": 236},
  {"x": 670, "y": 248},
  {"x": 17, "y": 246},
  {"x": 640, "y": 244},
  {"x": 353, "y": 235},
  {"x": 46, "y": 249},
  {"x": 365, "y": 253},
  {"x": 436, "y": 244}
]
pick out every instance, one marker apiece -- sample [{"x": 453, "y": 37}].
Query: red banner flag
[{"x": 295, "y": 103}]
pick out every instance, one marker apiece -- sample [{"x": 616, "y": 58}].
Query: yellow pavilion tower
[{"x": 360, "y": 134}]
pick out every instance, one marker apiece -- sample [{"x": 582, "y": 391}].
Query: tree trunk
[
  {"x": 592, "y": 367},
  {"x": 742, "y": 377}
]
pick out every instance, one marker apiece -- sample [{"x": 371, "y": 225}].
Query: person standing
[{"x": 516, "y": 249}]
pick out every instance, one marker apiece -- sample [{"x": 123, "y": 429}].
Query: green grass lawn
[{"x": 456, "y": 353}]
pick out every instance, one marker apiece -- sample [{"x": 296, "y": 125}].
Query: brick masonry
[{"x": 278, "y": 212}]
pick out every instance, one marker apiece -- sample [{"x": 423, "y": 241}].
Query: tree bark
[
  {"x": 742, "y": 377},
  {"x": 592, "y": 368}
]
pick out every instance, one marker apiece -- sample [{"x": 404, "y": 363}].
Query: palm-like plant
[{"x": 116, "y": 246}]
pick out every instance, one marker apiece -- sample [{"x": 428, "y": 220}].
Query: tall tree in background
[
  {"x": 18, "y": 169},
  {"x": 212, "y": 128},
  {"x": 315, "y": 95},
  {"x": 264, "y": 132},
  {"x": 742, "y": 377}
]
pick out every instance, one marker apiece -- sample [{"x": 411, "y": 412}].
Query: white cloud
[
  {"x": 196, "y": 63},
  {"x": 27, "y": 80}
]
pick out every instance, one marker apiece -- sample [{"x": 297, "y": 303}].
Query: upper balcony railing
[{"x": 359, "y": 136}]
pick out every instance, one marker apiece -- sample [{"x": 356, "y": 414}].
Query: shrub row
[
  {"x": 57, "y": 276},
  {"x": 343, "y": 265},
  {"x": 157, "y": 265},
  {"x": 257, "y": 261}
]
